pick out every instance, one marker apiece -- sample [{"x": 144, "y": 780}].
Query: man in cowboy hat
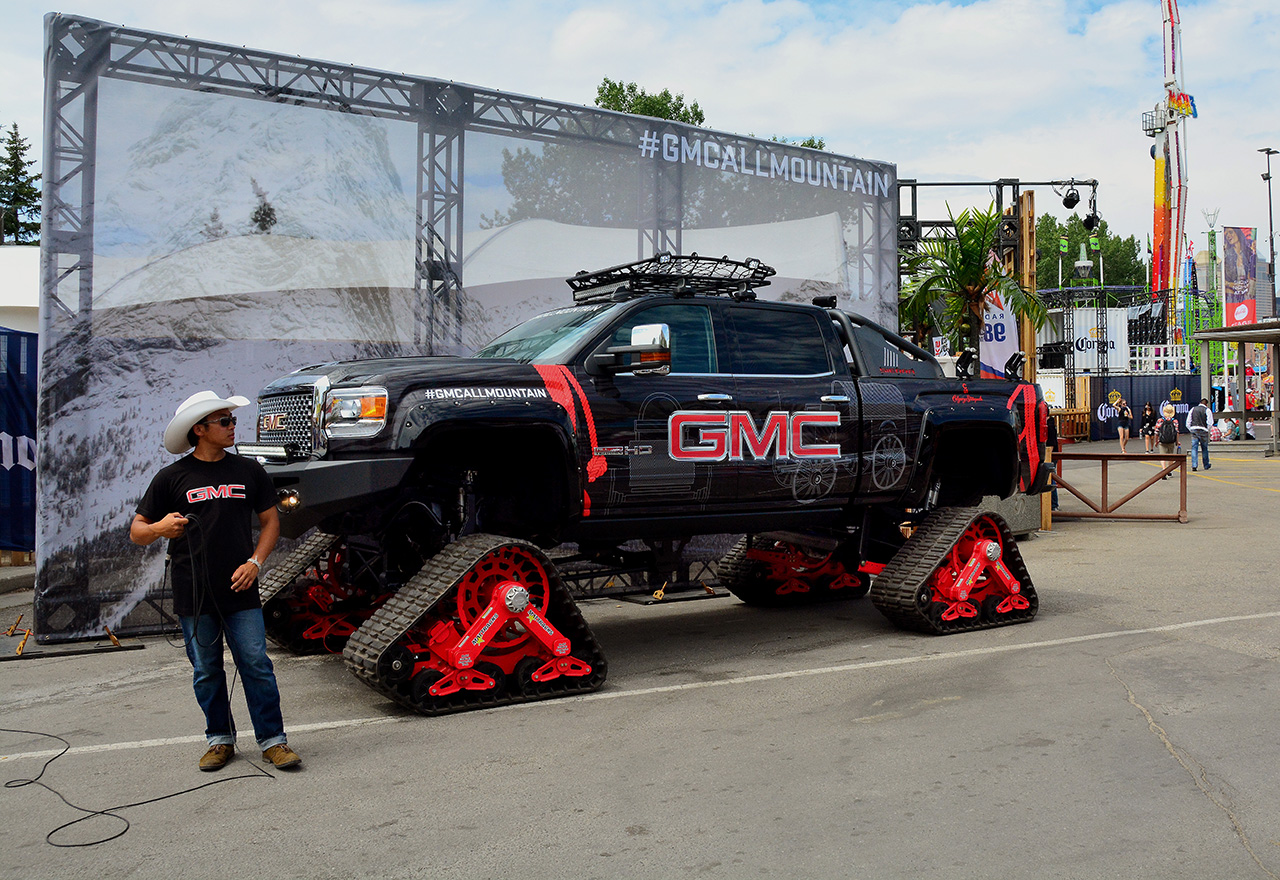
[{"x": 205, "y": 503}]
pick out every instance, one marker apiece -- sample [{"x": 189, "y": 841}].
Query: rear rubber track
[
  {"x": 898, "y": 590},
  {"x": 300, "y": 558},
  {"x": 434, "y": 583}
]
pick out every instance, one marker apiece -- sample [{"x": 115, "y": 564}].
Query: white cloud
[{"x": 1034, "y": 89}]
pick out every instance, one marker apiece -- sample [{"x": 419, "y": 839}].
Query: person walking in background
[
  {"x": 1167, "y": 432},
  {"x": 205, "y": 504},
  {"x": 1125, "y": 416},
  {"x": 1199, "y": 421},
  {"x": 1148, "y": 427}
]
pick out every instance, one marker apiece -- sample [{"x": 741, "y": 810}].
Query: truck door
[
  {"x": 794, "y": 427},
  {"x": 891, "y": 417},
  {"x": 659, "y": 433}
]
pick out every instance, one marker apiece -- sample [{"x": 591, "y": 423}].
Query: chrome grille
[{"x": 286, "y": 419}]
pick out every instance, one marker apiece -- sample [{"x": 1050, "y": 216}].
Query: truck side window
[
  {"x": 886, "y": 358},
  {"x": 693, "y": 348},
  {"x": 773, "y": 342}
]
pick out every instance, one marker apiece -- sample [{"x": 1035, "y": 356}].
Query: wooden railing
[
  {"x": 1104, "y": 508},
  {"x": 1073, "y": 424}
]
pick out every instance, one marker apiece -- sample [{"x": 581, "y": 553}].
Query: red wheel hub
[
  {"x": 476, "y": 590},
  {"x": 973, "y": 572}
]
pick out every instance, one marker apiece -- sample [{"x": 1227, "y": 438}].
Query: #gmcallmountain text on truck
[{"x": 454, "y": 508}]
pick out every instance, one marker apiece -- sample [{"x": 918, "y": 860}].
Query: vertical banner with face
[
  {"x": 216, "y": 217},
  {"x": 1239, "y": 258}
]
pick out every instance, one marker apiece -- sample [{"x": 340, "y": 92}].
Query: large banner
[
  {"x": 218, "y": 216},
  {"x": 1239, "y": 268},
  {"x": 1179, "y": 390},
  {"x": 999, "y": 340},
  {"x": 1111, "y": 336},
  {"x": 17, "y": 440}
]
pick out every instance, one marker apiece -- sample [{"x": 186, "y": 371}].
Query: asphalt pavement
[{"x": 1128, "y": 731}]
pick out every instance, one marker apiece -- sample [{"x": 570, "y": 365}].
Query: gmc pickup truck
[{"x": 453, "y": 508}]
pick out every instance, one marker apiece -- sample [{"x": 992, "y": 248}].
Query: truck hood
[{"x": 406, "y": 372}]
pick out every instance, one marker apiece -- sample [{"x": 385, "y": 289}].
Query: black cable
[{"x": 109, "y": 811}]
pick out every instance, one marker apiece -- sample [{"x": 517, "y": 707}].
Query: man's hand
[
  {"x": 244, "y": 576},
  {"x": 174, "y": 525}
]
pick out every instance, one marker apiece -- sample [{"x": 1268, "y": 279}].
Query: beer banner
[{"x": 999, "y": 339}]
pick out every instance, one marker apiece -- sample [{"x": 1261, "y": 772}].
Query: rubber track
[
  {"x": 300, "y": 558},
  {"x": 435, "y": 583},
  {"x": 895, "y": 590}
]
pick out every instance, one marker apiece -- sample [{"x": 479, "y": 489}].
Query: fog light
[{"x": 289, "y": 500}]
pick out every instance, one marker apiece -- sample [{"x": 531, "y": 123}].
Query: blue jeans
[
  {"x": 246, "y": 636},
  {"x": 1200, "y": 446}
]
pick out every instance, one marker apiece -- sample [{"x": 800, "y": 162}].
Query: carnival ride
[{"x": 1169, "y": 151}]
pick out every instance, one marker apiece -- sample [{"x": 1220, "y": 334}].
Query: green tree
[
  {"x": 263, "y": 216},
  {"x": 630, "y": 98},
  {"x": 951, "y": 278},
  {"x": 1121, "y": 257},
  {"x": 813, "y": 142},
  {"x": 19, "y": 195}
]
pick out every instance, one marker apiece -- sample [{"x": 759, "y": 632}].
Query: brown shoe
[
  {"x": 282, "y": 756},
  {"x": 217, "y": 757}
]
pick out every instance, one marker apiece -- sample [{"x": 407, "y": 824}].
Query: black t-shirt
[{"x": 225, "y": 496}]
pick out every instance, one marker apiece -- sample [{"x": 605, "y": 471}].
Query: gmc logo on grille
[{"x": 272, "y": 421}]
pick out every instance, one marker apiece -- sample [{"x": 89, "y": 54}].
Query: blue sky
[{"x": 1034, "y": 89}]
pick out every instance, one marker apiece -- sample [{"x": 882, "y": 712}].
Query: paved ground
[{"x": 1128, "y": 731}]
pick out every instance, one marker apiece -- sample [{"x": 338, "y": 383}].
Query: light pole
[{"x": 1271, "y": 217}]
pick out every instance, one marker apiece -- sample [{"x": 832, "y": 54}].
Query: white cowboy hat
[{"x": 192, "y": 410}]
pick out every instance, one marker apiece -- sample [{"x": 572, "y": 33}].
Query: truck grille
[{"x": 286, "y": 419}]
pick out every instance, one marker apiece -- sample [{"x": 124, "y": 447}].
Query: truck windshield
[{"x": 548, "y": 338}]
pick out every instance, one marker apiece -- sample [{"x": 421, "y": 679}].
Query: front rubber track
[
  {"x": 898, "y": 590},
  {"x": 436, "y": 582}
]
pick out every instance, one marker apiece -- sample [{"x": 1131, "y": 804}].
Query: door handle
[
  {"x": 715, "y": 398},
  {"x": 834, "y": 398}
]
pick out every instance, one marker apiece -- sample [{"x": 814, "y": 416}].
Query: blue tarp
[{"x": 17, "y": 440}]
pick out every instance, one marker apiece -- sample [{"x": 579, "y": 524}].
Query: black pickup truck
[{"x": 456, "y": 507}]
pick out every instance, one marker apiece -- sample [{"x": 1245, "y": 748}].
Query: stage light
[
  {"x": 1071, "y": 199},
  {"x": 1091, "y": 221}
]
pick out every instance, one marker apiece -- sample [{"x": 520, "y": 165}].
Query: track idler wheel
[
  {"x": 961, "y": 570},
  {"x": 762, "y": 571},
  {"x": 487, "y": 621}
]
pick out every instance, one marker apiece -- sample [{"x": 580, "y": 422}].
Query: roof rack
[{"x": 674, "y": 274}]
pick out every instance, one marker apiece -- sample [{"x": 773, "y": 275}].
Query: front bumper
[{"x": 326, "y": 488}]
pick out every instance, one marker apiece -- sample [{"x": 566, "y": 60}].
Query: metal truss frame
[{"x": 83, "y": 51}]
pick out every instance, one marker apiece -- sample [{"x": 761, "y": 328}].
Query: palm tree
[{"x": 963, "y": 273}]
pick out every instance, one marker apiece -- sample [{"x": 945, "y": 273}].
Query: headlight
[{"x": 354, "y": 412}]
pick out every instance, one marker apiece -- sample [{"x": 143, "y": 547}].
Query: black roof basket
[{"x": 673, "y": 274}]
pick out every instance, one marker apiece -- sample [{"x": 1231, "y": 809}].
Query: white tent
[{"x": 20, "y": 287}]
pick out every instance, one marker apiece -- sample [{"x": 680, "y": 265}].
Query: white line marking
[{"x": 693, "y": 685}]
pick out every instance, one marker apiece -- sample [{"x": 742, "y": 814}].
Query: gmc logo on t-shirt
[{"x": 208, "y": 493}]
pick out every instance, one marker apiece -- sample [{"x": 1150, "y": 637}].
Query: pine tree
[
  {"x": 19, "y": 195},
  {"x": 213, "y": 228},
  {"x": 263, "y": 216}
]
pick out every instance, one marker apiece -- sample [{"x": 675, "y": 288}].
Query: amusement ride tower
[{"x": 1165, "y": 124}]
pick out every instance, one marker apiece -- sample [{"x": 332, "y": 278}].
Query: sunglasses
[{"x": 224, "y": 421}]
